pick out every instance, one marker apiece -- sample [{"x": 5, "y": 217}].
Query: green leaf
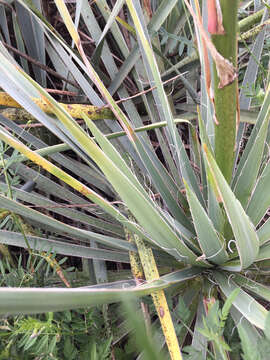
[
  {"x": 193, "y": 354},
  {"x": 61, "y": 247},
  {"x": 43, "y": 343},
  {"x": 250, "y": 169},
  {"x": 158, "y": 174},
  {"x": 249, "y": 351},
  {"x": 37, "y": 200},
  {"x": 253, "y": 286},
  {"x": 116, "y": 9},
  {"x": 227, "y": 305},
  {"x": 74, "y": 183},
  {"x": 39, "y": 300},
  {"x": 212, "y": 245},
  {"x": 260, "y": 199},
  {"x": 264, "y": 232},
  {"x": 160, "y": 15},
  {"x": 261, "y": 119},
  {"x": 143, "y": 341},
  {"x": 267, "y": 327},
  {"x": 62, "y": 227},
  {"x": 31, "y": 341},
  {"x": 246, "y": 239},
  {"x": 33, "y": 36},
  {"x": 162, "y": 101},
  {"x": 252, "y": 310},
  {"x": 199, "y": 342}
]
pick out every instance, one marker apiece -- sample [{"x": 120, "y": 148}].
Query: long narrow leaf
[
  {"x": 247, "y": 305},
  {"x": 75, "y": 184},
  {"x": 246, "y": 239},
  {"x": 42, "y": 202},
  {"x": 143, "y": 209},
  {"x": 253, "y": 286},
  {"x": 260, "y": 199},
  {"x": 162, "y": 101},
  {"x": 63, "y": 248},
  {"x": 156, "y": 174},
  {"x": 212, "y": 245},
  {"x": 61, "y": 227},
  {"x": 36, "y": 300},
  {"x": 262, "y": 117},
  {"x": 247, "y": 178},
  {"x": 264, "y": 232}
]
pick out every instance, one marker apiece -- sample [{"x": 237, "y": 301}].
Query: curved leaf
[
  {"x": 246, "y": 304},
  {"x": 246, "y": 239}
]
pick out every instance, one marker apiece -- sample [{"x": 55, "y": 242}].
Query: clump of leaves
[{"x": 206, "y": 224}]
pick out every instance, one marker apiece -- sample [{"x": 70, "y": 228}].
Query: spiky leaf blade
[{"x": 246, "y": 239}]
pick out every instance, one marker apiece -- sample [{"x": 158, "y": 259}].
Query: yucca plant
[{"x": 195, "y": 209}]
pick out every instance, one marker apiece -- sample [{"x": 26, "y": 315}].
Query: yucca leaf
[
  {"x": 60, "y": 227},
  {"x": 250, "y": 78},
  {"x": 214, "y": 209},
  {"x": 247, "y": 305},
  {"x": 162, "y": 100},
  {"x": 60, "y": 247},
  {"x": 81, "y": 217},
  {"x": 233, "y": 266},
  {"x": 38, "y": 300},
  {"x": 141, "y": 207},
  {"x": 264, "y": 232},
  {"x": 211, "y": 243},
  {"x": 74, "y": 183},
  {"x": 145, "y": 212},
  {"x": 246, "y": 239},
  {"x": 158, "y": 175},
  {"x": 50, "y": 187},
  {"x": 260, "y": 198},
  {"x": 249, "y": 171},
  {"x": 33, "y": 36},
  {"x": 261, "y": 119},
  {"x": 118, "y": 113},
  {"x": 162, "y": 12},
  {"x": 267, "y": 327},
  {"x": 114, "y": 28},
  {"x": 72, "y": 63},
  {"x": 63, "y": 49},
  {"x": 116, "y": 9},
  {"x": 264, "y": 253},
  {"x": 13, "y": 81},
  {"x": 113, "y": 154},
  {"x": 252, "y": 286}
]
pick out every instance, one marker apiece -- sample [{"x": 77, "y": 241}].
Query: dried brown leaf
[{"x": 225, "y": 69}]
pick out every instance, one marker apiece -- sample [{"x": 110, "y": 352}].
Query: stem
[
  {"x": 75, "y": 110},
  {"x": 248, "y": 22},
  {"x": 226, "y": 98},
  {"x": 254, "y": 31}
]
